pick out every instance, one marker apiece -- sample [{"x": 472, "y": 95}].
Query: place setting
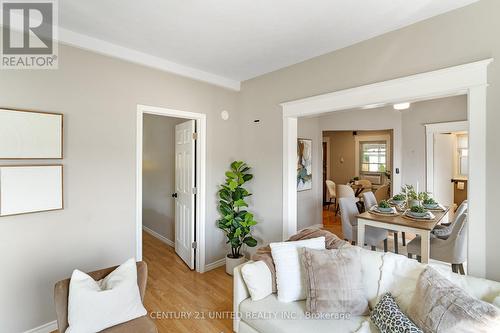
[{"x": 384, "y": 208}]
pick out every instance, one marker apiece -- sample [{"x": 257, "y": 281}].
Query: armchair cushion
[{"x": 97, "y": 305}]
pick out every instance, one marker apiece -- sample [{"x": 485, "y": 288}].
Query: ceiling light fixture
[
  {"x": 401, "y": 106},
  {"x": 372, "y": 106}
]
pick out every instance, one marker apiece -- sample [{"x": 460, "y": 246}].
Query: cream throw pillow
[
  {"x": 258, "y": 279},
  {"x": 289, "y": 270},
  {"x": 96, "y": 305},
  {"x": 334, "y": 282},
  {"x": 439, "y": 306}
]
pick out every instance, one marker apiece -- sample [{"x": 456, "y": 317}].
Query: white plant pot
[
  {"x": 414, "y": 202},
  {"x": 231, "y": 263}
]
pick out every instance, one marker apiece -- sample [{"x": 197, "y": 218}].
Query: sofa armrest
[{"x": 240, "y": 293}]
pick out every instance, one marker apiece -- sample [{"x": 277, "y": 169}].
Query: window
[
  {"x": 373, "y": 156},
  {"x": 463, "y": 154}
]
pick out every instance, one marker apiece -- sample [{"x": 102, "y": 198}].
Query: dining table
[{"x": 401, "y": 223}]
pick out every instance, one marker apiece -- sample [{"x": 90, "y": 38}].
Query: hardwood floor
[{"x": 177, "y": 291}]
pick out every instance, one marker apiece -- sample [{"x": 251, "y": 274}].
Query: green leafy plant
[
  {"x": 399, "y": 197},
  {"x": 409, "y": 191},
  {"x": 236, "y": 221},
  {"x": 418, "y": 209},
  {"x": 384, "y": 204},
  {"x": 430, "y": 201}
]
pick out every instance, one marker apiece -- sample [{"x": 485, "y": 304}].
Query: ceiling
[{"x": 228, "y": 41}]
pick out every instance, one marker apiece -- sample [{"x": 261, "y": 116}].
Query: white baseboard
[
  {"x": 215, "y": 264},
  {"x": 158, "y": 236},
  {"x": 45, "y": 328}
]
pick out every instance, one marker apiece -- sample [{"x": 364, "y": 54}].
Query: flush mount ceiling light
[
  {"x": 373, "y": 106},
  {"x": 401, "y": 106}
]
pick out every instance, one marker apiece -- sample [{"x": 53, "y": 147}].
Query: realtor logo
[{"x": 29, "y": 31}]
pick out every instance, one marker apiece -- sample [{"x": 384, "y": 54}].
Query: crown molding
[{"x": 100, "y": 46}]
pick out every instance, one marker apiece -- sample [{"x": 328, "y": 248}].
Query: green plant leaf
[
  {"x": 231, "y": 175},
  {"x": 240, "y": 203},
  {"x": 233, "y": 185},
  {"x": 247, "y": 177},
  {"x": 237, "y": 233},
  {"x": 250, "y": 241}
]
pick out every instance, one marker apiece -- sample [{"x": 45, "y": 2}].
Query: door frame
[
  {"x": 200, "y": 204},
  {"x": 468, "y": 79},
  {"x": 430, "y": 130}
]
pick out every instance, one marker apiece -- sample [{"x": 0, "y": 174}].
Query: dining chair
[
  {"x": 344, "y": 191},
  {"x": 382, "y": 193},
  {"x": 444, "y": 230},
  {"x": 370, "y": 200},
  {"x": 367, "y": 185},
  {"x": 332, "y": 195},
  {"x": 452, "y": 250},
  {"x": 348, "y": 213}
]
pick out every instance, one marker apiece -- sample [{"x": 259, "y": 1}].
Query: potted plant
[
  {"x": 411, "y": 195},
  {"x": 236, "y": 221},
  {"x": 399, "y": 199},
  {"x": 384, "y": 207},
  {"x": 418, "y": 211}
]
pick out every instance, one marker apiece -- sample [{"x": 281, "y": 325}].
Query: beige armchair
[
  {"x": 382, "y": 193},
  {"x": 138, "y": 325},
  {"x": 367, "y": 185}
]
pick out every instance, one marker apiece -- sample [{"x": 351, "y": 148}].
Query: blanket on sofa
[{"x": 264, "y": 253}]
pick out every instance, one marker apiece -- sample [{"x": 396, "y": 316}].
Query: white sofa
[{"x": 382, "y": 272}]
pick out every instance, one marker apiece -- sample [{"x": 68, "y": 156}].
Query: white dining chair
[
  {"x": 452, "y": 250},
  {"x": 444, "y": 230},
  {"x": 332, "y": 194},
  {"x": 370, "y": 200},
  {"x": 344, "y": 191},
  {"x": 348, "y": 213}
]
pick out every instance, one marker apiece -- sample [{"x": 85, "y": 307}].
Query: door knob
[{"x": 174, "y": 195}]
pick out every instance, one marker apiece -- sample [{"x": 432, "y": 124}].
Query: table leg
[
  {"x": 425, "y": 246},
  {"x": 361, "y": 233}
]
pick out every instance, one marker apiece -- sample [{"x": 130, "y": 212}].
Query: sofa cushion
[
  {"x": 439, "y": 306},
  {"x": 289, "y": 271},
  {"x": 399, "y": 277},
  {"x": 264, "y": 253},
  {"x": 389, "y": 318},
  {"x": 269, "y": 315},
  {"x": 258, "y": 279},
  {"x": 333, "y": 281}
]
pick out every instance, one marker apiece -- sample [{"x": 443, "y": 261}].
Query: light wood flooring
[{"x": 176, "y": 290}]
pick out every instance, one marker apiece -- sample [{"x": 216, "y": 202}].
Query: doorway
[
  {"x": 469, "y": 79},
  {"x": 171, "y": 181},
  {"x": 447, "y": 161}
]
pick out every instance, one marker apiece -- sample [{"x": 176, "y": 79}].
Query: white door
[
  {"x": 444, "y": 146},
  {"x": 184, "y": 191}
]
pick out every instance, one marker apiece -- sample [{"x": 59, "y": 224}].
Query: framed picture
[
  {"x": 30, "y": 188},
  {"x": 30, "y": 135},
  {"x": 304, "y": 164}
]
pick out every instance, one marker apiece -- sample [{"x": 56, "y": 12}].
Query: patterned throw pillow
[{"x": 390, "y": 319}]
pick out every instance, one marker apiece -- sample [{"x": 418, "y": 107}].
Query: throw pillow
[
  {"x": 439, "y": 306},
  {"x": 96, "y": 305},
  {"x": 390, "y": 319},
  {"x": 289, "y": 271},
  {"x": 257, "y": 277},
  {"x": 334, "y": 282}
]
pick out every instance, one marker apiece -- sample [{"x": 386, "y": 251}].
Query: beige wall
[
  {"x": 462, "y": 36},
  {"x": 309, "y": 202},
  {"x": 413, "y": 121},
  {"x": 158, "y": 174},
  {"x": 98, "y": 96},
  {"x": 343, "y": 145}
]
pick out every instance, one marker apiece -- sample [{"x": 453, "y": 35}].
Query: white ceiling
[{"x": 228, "y": 41}]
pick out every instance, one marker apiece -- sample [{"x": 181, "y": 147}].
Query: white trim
[
  {"x": 45, "y": 328},
  {"x": 430, "y": 130},
  {"x": 100, "y": 46},
  {"x": 215, "y": 264},
  {"x": 201, "y": 129},
  {"x": 363, "y": 138},
  {"x": 328, "y": 161},
  {"x": 158, "y": 236},
  {"x": 470, "y": 79}
]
